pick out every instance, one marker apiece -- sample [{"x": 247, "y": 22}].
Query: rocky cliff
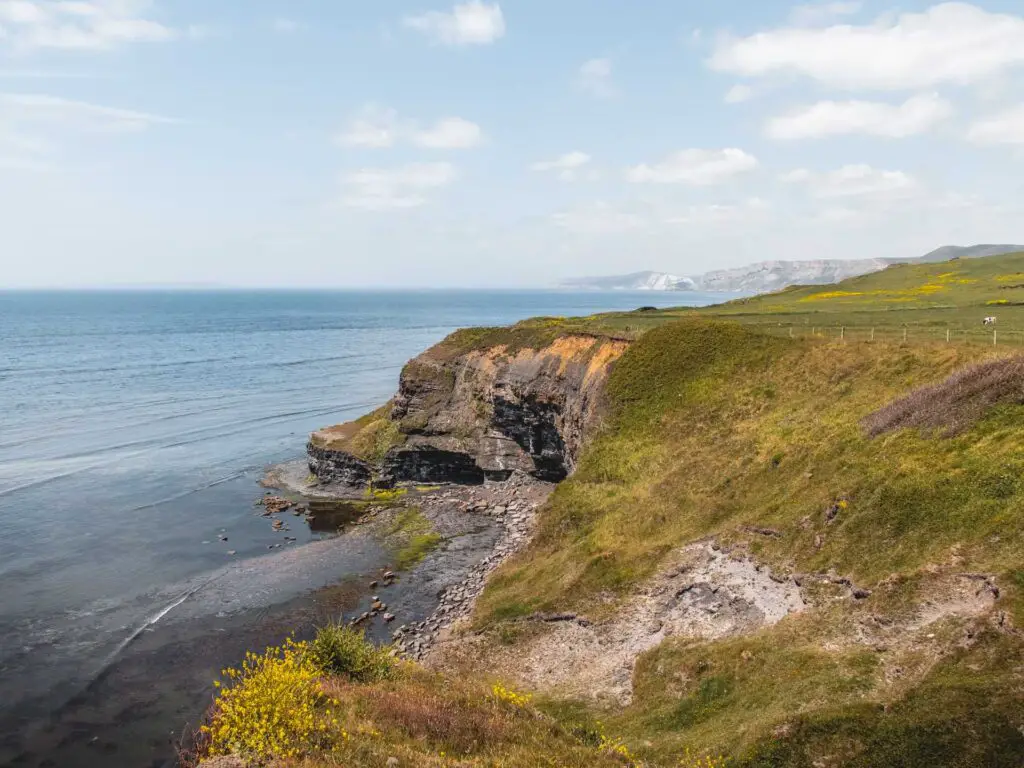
[
  {"x": 467, "y": 413},
  {"x": 636, "y": 281},
  {"x": 766, "y": 276}
]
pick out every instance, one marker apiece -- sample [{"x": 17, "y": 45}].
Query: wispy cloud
[
  {"x": 950, "y": 43},
  {"x": 567, "y": 167},
  {"x": 595, "y": 78},
  {"x": 835, "y": 118},
  {"x": 738, "y": 94},
  {"x": 79, "y": 25},
  {"x": 696, "y": 167},
  {"x": 1003, "y": 128},
  {"x": 472, "y": 23},
  {"x": 377, "y": 127},
  {"x": 854, "y": 181},
  {"x": 383, "y": 189},
  {"x": 35, "y": 127},
  {"x": 35, "y": 108}
]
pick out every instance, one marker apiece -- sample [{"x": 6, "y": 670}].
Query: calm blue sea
[{"x": 134, "y": 427}]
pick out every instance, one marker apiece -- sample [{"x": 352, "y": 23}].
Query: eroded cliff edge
[{"x": 478, "y": 406}]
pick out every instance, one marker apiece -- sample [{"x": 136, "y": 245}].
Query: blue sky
[{"x": 316, "y": 143}]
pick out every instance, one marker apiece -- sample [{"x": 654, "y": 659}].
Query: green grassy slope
[
  {"x": 722, "y": 423},
  {"x": 952, "y": 294},
  {"x": 716, "y": 426}
]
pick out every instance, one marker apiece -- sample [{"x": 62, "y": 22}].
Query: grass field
[{"x": 927, "y": 299}]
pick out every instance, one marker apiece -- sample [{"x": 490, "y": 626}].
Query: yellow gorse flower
[
  {"x": 691, "y": 760},
  {"x": 273, "y": 706},
  {"x": 501, "y": 693}
]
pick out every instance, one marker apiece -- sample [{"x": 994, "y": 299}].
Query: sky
[{"x": 405, "y": 143}]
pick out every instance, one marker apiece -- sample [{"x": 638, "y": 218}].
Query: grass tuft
[
  {"x": 414, "y": 537},
  {"x": 344, "y": 651}
]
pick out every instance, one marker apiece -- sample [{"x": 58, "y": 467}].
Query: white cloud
[
  {"x": 472, "y": 23},
  {"x": 379, "y": 189},
  {"x": 566, "y": 166},
  {"x": 738, "y": 94},
  {"x": 378, "y": 127},
  {"x": 33, "y": 127},
  {"x": 854, "y": 181},
  {"x": 24, "y": 108},
  {"x": 949, "y": 43},
  {"x": 79, "y": 25},
  {"x": 1002, "y": 128},
  {"x": 834, "y": 118},
  {"x": 595, "y": 77},
  {"x": 449, "y": 133},
  {"x": 373, "y": 126},
  {"x": 823, "y": 13},
  {"x": 695, "y": 166}
]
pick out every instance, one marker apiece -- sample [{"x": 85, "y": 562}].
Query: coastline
[
  {"x": 508, "y": 506},
  {"x": 159, "y": 682},
  {"x": 148, "y": 495}
]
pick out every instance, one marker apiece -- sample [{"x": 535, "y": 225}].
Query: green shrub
[{"x": 341, "y": 650}]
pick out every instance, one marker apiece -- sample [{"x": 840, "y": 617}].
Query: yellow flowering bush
[
  {"x": 273, "y": 706},
  {"x": 615, "y": 746},
  {"x": 501, "y": 693},
  {"x": 692, "y": 760}
]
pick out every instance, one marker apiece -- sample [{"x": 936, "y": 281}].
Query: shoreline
[
  {"x": 510, "y": 504},
  {"x": 159, "y": 680}
]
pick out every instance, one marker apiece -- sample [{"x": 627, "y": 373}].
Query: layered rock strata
[{"x": 469, "y": 416}]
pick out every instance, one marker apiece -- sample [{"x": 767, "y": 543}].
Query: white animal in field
[{"x": 989, "y": 321}]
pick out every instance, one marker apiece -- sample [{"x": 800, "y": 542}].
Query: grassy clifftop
[
  {"x": 717, "y": 427},
  {"x": 952, "y": 294},
  {"x": 765, "y": 444},
  {"x": 876, "y": 477},
  {"x": 758, "y": 443}
]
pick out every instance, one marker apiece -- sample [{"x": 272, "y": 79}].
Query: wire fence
[{"x": 910, "y": 334}]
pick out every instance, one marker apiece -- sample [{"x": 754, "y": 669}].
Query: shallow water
[{"x": 134, "y": 428}]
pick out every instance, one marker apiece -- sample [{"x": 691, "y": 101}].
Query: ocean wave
[{"x": 166, "y": 442}]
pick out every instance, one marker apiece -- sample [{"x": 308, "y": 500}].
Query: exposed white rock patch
[{"x": 706, "y": 594}]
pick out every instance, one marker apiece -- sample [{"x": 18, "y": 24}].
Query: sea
[{"x": 135, "y": 427}]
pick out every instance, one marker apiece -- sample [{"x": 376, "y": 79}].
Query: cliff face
[
  {"x": 475, "y": 415},
  {"x": 774, "y": 275}
]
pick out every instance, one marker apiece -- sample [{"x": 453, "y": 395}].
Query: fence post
[
  {"x": 872, "y": 334},
  {"x": 791, "y": 331},
  {"x": 994, "y": 337},
  {"x": 904, "y": 334},
  {"x": 947, "y": 335},
  {"x": 842, "y": 333}
]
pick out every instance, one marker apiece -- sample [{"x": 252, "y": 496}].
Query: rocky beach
[{"x": 479, "y": 527}]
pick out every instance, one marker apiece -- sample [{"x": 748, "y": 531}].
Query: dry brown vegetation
[{"x": 955, "y": 404}]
